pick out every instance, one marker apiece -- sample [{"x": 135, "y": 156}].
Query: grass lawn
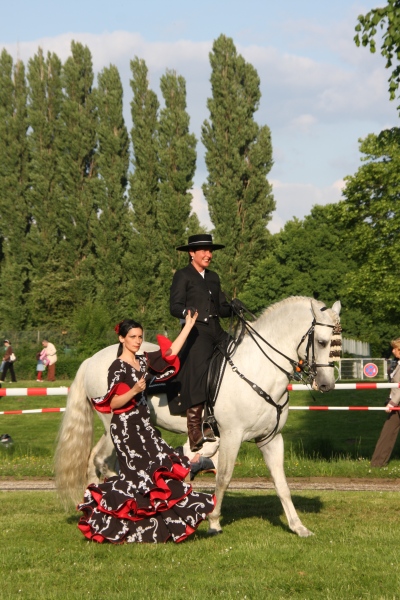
[
  {"x": 336, "y": 444},
  {"x": 354, "y": 553}
]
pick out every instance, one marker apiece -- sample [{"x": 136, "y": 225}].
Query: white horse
[{"x": 251, "y": 405}]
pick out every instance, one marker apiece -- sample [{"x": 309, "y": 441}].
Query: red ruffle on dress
[{"x": 148, "y": 501}]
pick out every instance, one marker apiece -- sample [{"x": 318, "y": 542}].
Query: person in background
[
  {"x": 40, "y": 366},
  {"x": 391, "y": 427},
  {"x": 8, "y": 363},
  {"x": 2, "y": 364},
  {"x": 196, "y": 288},
  {"x": 51, "y": 355}
]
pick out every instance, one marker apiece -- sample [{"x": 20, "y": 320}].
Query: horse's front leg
[
  {"x": 228, "y": 450},
  {"x": 273, "y": 456}
]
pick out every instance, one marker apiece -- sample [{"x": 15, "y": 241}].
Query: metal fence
[{"x": 363, "y": 368}]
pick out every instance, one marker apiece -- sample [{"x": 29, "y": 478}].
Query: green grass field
[
  {"x": 316, "y": 443},
  {"x": 354, "y": 553}
]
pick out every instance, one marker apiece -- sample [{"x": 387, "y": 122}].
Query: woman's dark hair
[{"x": 123, "y": 328}]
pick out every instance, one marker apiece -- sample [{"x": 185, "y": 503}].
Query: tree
[
  {"x": 177, "y": 164},
  {"x": 112, "y": 230},
  {"x": 146, "y": 293},
  {"x": 238, "y": 158},
  {"x": 388, "y": 19},
  {"x": 14, "y": 214},
  {"x": 306, "y": 259},
  {"x": 47, "y": 303},
  {"x": 79, "y": 181},
  {"x": 370, "y": 213}
]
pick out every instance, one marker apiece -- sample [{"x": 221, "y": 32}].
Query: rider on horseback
[{"x": 196, "y": 286}]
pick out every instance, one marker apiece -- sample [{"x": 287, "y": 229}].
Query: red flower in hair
[{"x": 116, "y": 328}]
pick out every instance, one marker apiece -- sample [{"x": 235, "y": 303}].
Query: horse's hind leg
[
  {"x": 273, "y": 456},
  {"x": 228, "y": 450},
  {"x": 102, "y": 460}
]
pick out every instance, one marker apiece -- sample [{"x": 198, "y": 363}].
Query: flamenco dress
[{"x": 148, "y": 501}]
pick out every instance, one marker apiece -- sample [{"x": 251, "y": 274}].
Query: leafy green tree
[
  {"x": 47, "y": 303},
  {"x": 387, "y": 19},
  {"x": 177, "y": 164},
  {"x": 112, "y": 230},
  {"x": 14, "y": 213},
  {"x": 238, "y": 158},
  {"x": 145, "y": 293},
  {"x": 370, "y": 213},
  {"x": 306, "y": 259},
  {"x": 79, "y": 181}
]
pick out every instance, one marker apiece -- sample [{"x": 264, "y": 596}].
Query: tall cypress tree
[
  {"x": 146, "y": 292},
  {"x": 238, "y": 158},
  {"x": 177, "y": 164},
  {"x": 14, "y": 213},
  {"x": 47, "y": 302},
  {"x": 78, "y": 174},
  {"x": 112, "y": 226}
]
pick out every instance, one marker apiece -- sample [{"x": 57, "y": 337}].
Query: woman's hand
[
  {"x": 139, "y": 386},
  {"x": 120, "y": 401},
  {"x": 190, "y": 318}
]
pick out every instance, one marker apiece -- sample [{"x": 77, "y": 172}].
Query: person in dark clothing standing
[
  {"x": 387, "y": 439},
  {"x": 8, "y": 359},
  {"x": 195, "y": 287}
]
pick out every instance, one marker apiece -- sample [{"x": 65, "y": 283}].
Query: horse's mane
[
  {"x": 293, "y": 299},
  {"x": 288, "y": 300}
]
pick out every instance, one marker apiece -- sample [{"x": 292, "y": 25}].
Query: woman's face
[
  {"x": 133, "y": 339},
  {"x": 201, "y": 258}
]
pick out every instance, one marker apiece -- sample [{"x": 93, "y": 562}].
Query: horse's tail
[{"x": 74, "y": 442}]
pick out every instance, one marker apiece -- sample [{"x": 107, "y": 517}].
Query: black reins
[{"x": 302, "y": 369}]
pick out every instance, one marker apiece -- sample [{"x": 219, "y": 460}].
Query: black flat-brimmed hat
[{"x": 200, "y": 241}]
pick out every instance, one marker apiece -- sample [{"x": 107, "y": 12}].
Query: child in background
[{"x": 41, "y": 365}]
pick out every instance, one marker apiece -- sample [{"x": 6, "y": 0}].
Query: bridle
[{"x": 302, "y": 369}]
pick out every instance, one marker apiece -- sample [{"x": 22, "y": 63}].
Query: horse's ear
[
  {"x": 337, "y": 307},
  {"x": 315, "y": 306}
]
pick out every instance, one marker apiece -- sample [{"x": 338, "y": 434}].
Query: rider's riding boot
[{"x": 194, "y": 415}]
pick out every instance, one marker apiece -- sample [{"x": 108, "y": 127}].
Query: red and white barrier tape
[
  {"x": 299, "y": 387},
  {"x": 52, "y": 410},
  {"x": 31, "y": 411},
  {"x": 50, "y": 391},
  {"x": 293, "y": 387}
]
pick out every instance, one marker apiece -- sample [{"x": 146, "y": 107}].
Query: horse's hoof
[
  {"x": 214, "y": 531},
  {"x": 304, "y": 532}
]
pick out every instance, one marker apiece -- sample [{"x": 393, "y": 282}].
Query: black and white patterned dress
[{"x": 148, "y": 501}]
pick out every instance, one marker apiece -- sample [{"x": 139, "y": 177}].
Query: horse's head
[{"x": 320, "y": 345}]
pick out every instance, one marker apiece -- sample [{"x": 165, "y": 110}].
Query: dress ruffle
[{"x": 149, "y": 500}]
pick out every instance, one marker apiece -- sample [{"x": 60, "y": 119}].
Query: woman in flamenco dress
[{"x": 148, "y": 501}]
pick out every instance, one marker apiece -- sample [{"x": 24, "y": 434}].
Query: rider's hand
[{"x": 237, "y": 305}]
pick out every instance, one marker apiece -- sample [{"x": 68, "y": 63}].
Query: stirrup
[{"x": 210, "y": 423}]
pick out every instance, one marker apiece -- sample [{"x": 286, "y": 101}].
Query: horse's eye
[{"x": 322, "y": 343}]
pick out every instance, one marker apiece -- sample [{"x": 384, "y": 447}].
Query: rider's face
[
  {"x": 133, "y": 339},
  {"x": 201, "y": 258}
]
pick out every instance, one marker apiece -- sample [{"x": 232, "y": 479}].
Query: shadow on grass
[{"x": 237, "y": 507}]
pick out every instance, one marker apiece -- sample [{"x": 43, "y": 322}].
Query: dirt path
[{"x": 208, "y": 482}]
